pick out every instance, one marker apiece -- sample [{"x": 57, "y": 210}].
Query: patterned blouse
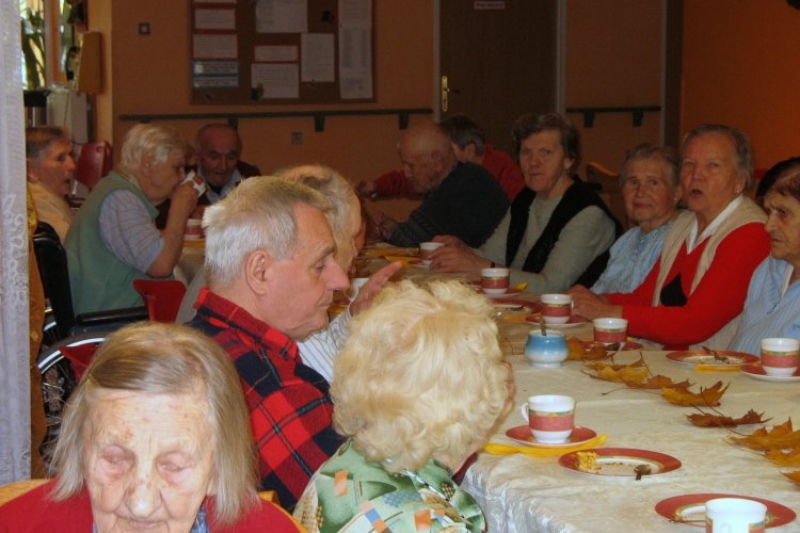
[{"x": 349, "y": 495}]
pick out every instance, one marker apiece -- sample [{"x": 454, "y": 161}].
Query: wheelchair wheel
[{"x": 58, "y": 382}]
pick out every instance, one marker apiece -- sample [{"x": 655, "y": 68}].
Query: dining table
[
  {"x": 521, "y": 492},
  {"x": 543, "y": 493}
]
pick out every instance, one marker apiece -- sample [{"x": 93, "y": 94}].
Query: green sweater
[{"x": 99, "y": 280}]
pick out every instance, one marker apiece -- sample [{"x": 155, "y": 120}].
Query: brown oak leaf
[{"x": 708, "y": 420}]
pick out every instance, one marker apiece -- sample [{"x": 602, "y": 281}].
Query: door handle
[
  {"x": 445, "y": 94},
  {"x": 446, "y": 90}
]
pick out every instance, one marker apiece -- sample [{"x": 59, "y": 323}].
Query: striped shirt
[
  {"x": 127, "y": 229},
  {"x": 768, "y": 311},
  {"x": 320, "y": 349}
]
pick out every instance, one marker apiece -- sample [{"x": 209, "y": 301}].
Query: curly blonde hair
[{"x": 421, "y": 376}]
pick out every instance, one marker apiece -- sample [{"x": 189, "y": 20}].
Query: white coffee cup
[
  {"x": 780, "y": 356},
  {"x": 735, "y": 515},
  {"x": 610, "y": 330},
  {"x": 425, "y": 249},
  {"x": 495, "y": 280},
  {"x": 198, "y": 183},
  {"x": 194, "y": 230},
  {"x": 556, "y": 308},
  {"x": 550, "y": 417}
]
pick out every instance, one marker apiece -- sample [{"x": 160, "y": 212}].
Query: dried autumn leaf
[
  {"x": 627, "y": 374},
  {"x": 720, "y": 421},
  {"x": 574, "y": 349},
  {"x": 578, "y": 350},
  {"x": 659, "y": 382},
  {"x": 781, "y": 458},
  {"x": 595, "y": 352},
  {"x": 780, "y": 437},
  {"x": 794, "y": 476},
  {"x": 599, "y": 366},
  {"x": 707, "y": 396}
]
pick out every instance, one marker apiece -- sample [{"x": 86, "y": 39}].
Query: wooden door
[{"x": 500, "y": 59}]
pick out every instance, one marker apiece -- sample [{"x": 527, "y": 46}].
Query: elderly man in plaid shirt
[{"x": 271, "y": 276}]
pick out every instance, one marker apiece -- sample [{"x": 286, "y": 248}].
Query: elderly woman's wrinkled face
[
  {"x": 709, "y": 175},
  {"x": 783, "y": 226},
  {"x": 54, "y": 166},
  {"x": 650, "y": 198},
  {"x": 149, "y": 460},
  {"x": 158, "y": 180},
  {"x": 543, "y": 162}
]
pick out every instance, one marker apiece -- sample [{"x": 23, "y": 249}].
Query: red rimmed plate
[
  {"x": 574, "y": 321},
  {"x": 522, "y": 434},
  {"x": 688, "y": 509},
  {"x": 514, "y": 303},
  {"x": 724, "y": 359},
  {"x": 621, "y": 462},
  {"x": 629, "y": 345},
  {"x": 757, "y": 372}
]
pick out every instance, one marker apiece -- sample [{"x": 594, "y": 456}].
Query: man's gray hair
[{"x": 258, "y": 214}]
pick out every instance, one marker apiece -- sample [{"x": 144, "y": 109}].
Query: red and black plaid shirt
[{"x": 290, "y": 408}]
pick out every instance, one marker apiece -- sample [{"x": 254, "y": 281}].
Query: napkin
[{"x": 507, "y": 449}]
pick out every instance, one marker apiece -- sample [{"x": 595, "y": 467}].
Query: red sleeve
[
  {"x": 718, "y": 298},
  {"x": 643, "y": 294},
  {"x": 394, "y": 184},
  {"x": 505, "y": 171}
]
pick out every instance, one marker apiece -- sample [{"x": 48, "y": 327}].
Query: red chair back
[
  {"x": 79, "y": 356},
  {"x": 161, "y": 297},
  {"x": 93, "y": 163}
]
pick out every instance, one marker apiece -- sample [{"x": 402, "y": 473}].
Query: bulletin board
[{"x": 282, "y": 51}]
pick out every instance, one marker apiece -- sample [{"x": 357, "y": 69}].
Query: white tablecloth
[{"x": 519, "y": 493}]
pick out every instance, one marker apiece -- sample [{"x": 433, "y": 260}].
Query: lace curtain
[{"x": 14, "y": 347}]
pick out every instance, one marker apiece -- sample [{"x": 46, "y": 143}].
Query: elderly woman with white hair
[
  {"x": 156, "y": 437},
  {"x": 320, "y": 349},
  {"x": 114, "y": 239},
  {"x": 407, "y": 358}
]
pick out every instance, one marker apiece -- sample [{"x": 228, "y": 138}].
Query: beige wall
[
  {"x": 610, "y": 63},
  {"x": 150, "y": 74},
  {"x": 740, "y": 68},
  {"x": 745, "y": 75}
]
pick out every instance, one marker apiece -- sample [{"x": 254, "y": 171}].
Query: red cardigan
[
  {"x": 34, "y": 512},
  {"x": 717, "y": 299}
]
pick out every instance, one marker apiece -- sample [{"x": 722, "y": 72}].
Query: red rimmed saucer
[
  {"x": 512, "y": 303},
  {"x": 688, "y": 509},
  {"x": 621, "y": 462},
  {"x": 757, "y": 372},
  {"x": 511, "y": 291},
  {"x": 574, "y": 321},
  {"x": 720, "y": 358},
  {"x": 629, "y": 345},
  {"x": 522, "y": 434}
]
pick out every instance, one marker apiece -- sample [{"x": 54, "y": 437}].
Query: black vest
[{"x": 577, "y": 198}]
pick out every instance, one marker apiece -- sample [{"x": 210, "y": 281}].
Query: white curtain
[{"x": 14, "y": 344}]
